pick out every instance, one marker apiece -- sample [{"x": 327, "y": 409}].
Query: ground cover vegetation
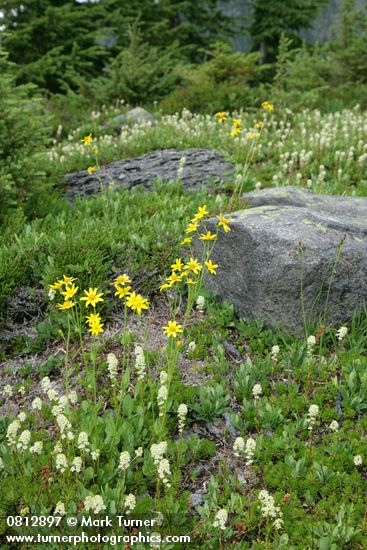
[{"x": 126, "y": 388}]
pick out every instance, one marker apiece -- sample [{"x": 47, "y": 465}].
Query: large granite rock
[
  {"x": 202, "y": 167},
  {"x": 138, "y": 115},
  {"x": 261, "y": 260}
]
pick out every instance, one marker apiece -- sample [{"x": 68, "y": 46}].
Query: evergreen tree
[
  {"x": 55, "y": 42},
  {"x": 270, "y": 19}
]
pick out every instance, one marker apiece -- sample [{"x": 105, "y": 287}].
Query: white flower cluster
[
  {"x": 112, "y": 364},
  {"x": 76, "y": 465},
  {"x": 61, "y": 462},
  {"x": 94, "y": 503},
  {"x": 200, "y": 303},
  {"x": 130, "y": 503},
  {"x": 311, "y": 343},
  {"x": 238, "y": 446},
  {"x": 162, "y": 394},
  {"x": 125, "y": 460},
  {"x": 269, "y": 510},
  {"x": 95, "y": 454},
  {"x": 191, "y": 347},
  {"x": 157, "y": 451},
  {"x": 37, "y": 404},
  {"x": 358, "y": 460},
  {"x": 341, "y": 333},
  {"x": 60, "y": 509},
  {"x": 274, "y": 353},
  {"x": 140, "y": 366},
  {"x": 181, "y": 167},
  {"x": 220, "y": 519},
  {"x": 83, "y": 442},
  {"x": 64, "y": 426},
  {"x": 8, "y": 391},
  {"x": 257, "y": 391},
  {"x": 12, "y": 432},
  {"x": 164, "y": 471},
  {"x": 36, "y": 448},
  {"x": 313, "y": 412},
  {"x": 23, "y": 441},
  {"x": 250, "y": 451},
  {"x": 334, "y": 426},
  {"x": 182, "y": 413}
]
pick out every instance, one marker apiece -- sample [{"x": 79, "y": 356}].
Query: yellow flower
[
  {"x": 202, "y": 211},
  {"x": 223, "y": 222},
  {"x": 193, "y": 265},
  {"x": 267, "y": 106},
  {"x": 136, "y": 302},
  {"x": 177, "y": 265},
  {"x": 237, "y": 123},
  {"x": 122, "y": 279},
  {"x": 211, "y": 267},
  {"x": 93, "y": 319},
  {"x": 96, "y": 328},
  {"x": 190, "y": 281},
  {"x": 192, "y": 227},
  {"x": 66, "y": 305},
  {"x": 70, "y": 291},
  {"x": 91, "y": 169},
  {"x": 221, "y": 116},
  {"x": 259, "y": 124},
  {"x": 87, "y": 139},
  {"x": 208, "y": 236},
  {"x": 172, "y": 329},
  {"x": 164, "y": 286},
  {"x": 92, "y": 297},
  {"x": 174, "y": 278},
  {"x": 252, "y": 135},
  {"x": 235, "y": 132},
  {"x": 57, "y": 285},
  {"x": 187, "y": 240},
  {"x": 68, "y": 280},
  {"x": 121, "y": 292}
]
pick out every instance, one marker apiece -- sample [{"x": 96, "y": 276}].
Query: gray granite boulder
[
  {"x": 138, "y": 115},
  {"x": 286, "y": 232},
  {"x": 201, "y": 167}
]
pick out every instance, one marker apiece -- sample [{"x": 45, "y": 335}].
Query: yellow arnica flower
[
  {"x": 66, "y": 305},
  {"x": 87, "y": 139},
  {"x": 57, "y": 285},
  {"x": 221, "y": 116},
  {"x": 235, "y": 132},
  {"x": 137, "y": 303},
  {"x": 172, "y": 329},
  {"x": 267, "y": 106},
  {"x": 92, "y": 297},
  {"x": 187, "y": 240},
  {"x": 208, "y": 236},
  {"x": 96, "y": 328},
  {"x": 192, "y": 227},
  {"x": 164, "y": 286},
  {"x": 174, "y": 278},
  {"x": 259, "y": 124},
  {"x": 68, "y": 280},
  {"x": 70, "y": 291},
  {"x": 93, "y": 319},
  {"x": 202, "y": 211},
  {"x": 122, "y": 291},
  {"x": 177, "y": 265},
  {"x": 190, "y": 281},
  {"x": 237, "y": 123},
  {"x": 223, "y": 222},
  {"x": 122, "y": 279},
  {"x": 193, "y": 265},
  {"x": 91, "y": 169},
  {"x": 211, "y": 267}
]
